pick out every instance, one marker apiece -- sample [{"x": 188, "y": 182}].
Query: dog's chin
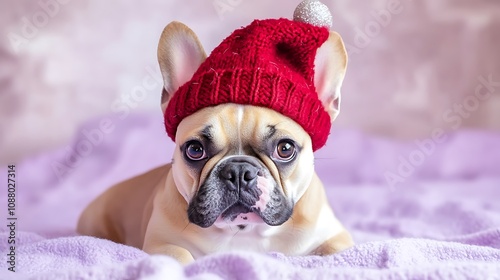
[{"x": 238, "y": 214}]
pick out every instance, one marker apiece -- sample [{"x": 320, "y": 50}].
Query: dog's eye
[
  {"x": 195, "y": 151},
  {"x": 285, "y": 150}
]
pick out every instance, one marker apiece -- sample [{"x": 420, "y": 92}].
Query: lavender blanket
[{"x": 439, "y": 219}]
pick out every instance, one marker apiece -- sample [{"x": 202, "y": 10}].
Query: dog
[{"x": 241, "y": 178}]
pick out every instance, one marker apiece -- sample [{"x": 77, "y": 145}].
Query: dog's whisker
[
  {"x": 235, "y": 233},
  {"x": 188, "y": 223}
]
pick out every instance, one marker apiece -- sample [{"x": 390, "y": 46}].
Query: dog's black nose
[{"x": 239, "y": 175}]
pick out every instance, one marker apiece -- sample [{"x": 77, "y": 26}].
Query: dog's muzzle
[{"x": 235, "y": 187}]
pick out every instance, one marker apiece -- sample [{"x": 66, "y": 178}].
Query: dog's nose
[{"x": 239, "y": 175}]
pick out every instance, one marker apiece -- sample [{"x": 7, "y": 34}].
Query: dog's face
[{"x": 242, "y": 164}]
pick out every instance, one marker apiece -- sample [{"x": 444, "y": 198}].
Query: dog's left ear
[
  {"x": 180, "y": 53},
  {"x": 330, "y": 67}
]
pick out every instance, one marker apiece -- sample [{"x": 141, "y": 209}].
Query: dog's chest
[
  {"x": 255, "y": 238},
  {"x": 287, "y": 239}
]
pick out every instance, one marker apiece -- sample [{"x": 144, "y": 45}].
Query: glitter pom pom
[{"x": 313, "y": 12}]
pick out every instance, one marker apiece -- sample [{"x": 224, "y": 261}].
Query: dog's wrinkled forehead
[{"x": 239, "y": 129}]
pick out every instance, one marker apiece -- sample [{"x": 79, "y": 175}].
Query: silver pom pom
[{"x": 313, "y": 12}]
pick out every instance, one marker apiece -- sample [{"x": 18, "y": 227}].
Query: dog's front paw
[
  {"x": 335, "y": 244},
  {"x": 180, "y": 254}
]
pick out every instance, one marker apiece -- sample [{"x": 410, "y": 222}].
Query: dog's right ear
[{"x": 180, "y": 53}]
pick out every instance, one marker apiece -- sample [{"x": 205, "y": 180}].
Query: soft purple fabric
[{"x": 442, "y": 221}]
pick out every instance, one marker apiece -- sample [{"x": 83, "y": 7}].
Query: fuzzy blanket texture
[{"x": 441, "y": 221}]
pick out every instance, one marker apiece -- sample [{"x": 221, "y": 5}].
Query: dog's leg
[
  {"x": 335, "y": 244},
  {"x": 165, "y": 223}
]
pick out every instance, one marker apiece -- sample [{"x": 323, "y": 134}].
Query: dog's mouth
[
  {"x": 239, "y": 215},
  {"x": 234, "y": 211}
]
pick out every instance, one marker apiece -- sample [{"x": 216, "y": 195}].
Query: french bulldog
[{"x": 242, "y": 177}]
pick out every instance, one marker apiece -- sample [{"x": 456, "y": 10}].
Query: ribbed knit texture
[{"x": 269, "y": 63}]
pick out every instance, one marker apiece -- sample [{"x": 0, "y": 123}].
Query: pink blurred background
[{"x": 412, "y": 63}]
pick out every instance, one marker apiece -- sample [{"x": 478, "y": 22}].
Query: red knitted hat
[{"x": 269, "y": 63}]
